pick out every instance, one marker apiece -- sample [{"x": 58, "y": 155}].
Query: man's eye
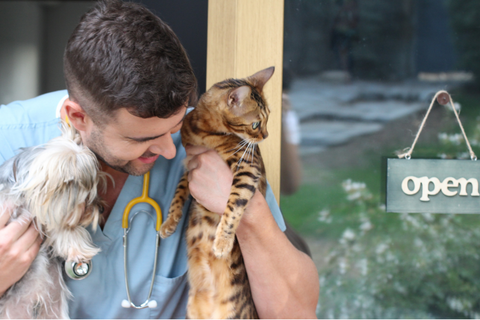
[
  {"x": 139, "y": 141},
  {"x": 255, "y": 125}
]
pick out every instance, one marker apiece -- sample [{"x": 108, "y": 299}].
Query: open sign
[{"x": 433, "y": 186}]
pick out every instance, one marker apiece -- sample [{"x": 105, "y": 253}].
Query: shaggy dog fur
[{"x": 55, "y": 185}]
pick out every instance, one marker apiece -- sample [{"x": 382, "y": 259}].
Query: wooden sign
[{"x": 433, "y": 186}]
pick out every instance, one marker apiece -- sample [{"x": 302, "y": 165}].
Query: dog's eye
[{"x": 255, "y": 125}]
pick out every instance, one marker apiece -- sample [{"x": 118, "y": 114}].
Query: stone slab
[{"x": 328, "y": 133}]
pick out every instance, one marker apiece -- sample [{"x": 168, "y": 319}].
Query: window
[{"x": 362, "y": 76}]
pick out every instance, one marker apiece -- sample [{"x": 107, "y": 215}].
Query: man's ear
[{"x": 76, "y": 115}]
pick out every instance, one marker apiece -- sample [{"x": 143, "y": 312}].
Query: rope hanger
[{"x": 443, "y": 98}]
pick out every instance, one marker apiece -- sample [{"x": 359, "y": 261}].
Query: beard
[{"x": 96, "y": 144}]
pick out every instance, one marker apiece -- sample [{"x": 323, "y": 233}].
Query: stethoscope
[
  {"x": 81, "y": 270},
  {"x": 146, "y": 199}
]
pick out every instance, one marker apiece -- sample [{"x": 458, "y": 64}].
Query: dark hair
[{"x": 123, "y": 56}]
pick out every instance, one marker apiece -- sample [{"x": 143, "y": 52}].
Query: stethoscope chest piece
[{"x": 78, "y": 270}]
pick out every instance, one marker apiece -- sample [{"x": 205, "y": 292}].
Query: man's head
[{"x": 122, "y": 64}]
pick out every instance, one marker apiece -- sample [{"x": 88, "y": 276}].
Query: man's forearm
[{"x": 284, "y": 281}]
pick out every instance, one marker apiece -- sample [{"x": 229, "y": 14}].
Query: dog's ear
[{"x": 61, "y": 183}]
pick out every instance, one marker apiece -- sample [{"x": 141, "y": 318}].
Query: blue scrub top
[{"x": 34, "y": 122}]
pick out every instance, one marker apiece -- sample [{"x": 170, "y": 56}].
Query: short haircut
[{"x": 121, "y": 55}]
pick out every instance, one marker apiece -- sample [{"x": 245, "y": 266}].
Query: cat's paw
[
  {"x": 168, "y": 228},
  {"x": 222, "y": 246}
]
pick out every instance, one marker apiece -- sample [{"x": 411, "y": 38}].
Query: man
[{"x": 129, "y": 84}]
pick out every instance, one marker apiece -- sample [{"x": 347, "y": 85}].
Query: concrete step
[{"x": 328, "y": 133}]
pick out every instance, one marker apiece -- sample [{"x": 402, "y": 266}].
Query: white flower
[
  {"x": 356, "y": 190},
  {"x": 457, "y": 106},
  {"x": 354, "y": 196},
  {"x": 366, "y": 226},
  {"x": 381, "y": 248},
  {"x": 363, "y": 266},
  {"x": 455, "y": 138},
  {"x": 348, "y": 234},
  {"x": 442, "y": 136},
  {"x": 322, "y": 281},
  {"x": 399, "y": 288},
  {"x": 324, "y": 216},
  {"x": 342, "y": 266},
  {"x": 344, "y": 312},
  {"x": 411, "y": 220},
  {"x": 349, "y": 185},
  {"x": 428, "y": 217},
  {"x": 459, "y": 305},
  {"x": 418, "y": 242}
]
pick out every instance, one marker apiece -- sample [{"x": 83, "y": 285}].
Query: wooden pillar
[{"x": 246, "y": 36}]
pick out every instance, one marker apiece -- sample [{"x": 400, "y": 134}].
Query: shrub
[{"x": 389, "y": 265}]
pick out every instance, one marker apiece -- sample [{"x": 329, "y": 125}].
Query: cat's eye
[{"x": 255, "y": 125}]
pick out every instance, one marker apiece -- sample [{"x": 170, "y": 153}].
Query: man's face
[{"x": 132, "y": 144}]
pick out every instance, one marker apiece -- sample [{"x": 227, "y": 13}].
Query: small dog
[{"x": 55, "y": 185}]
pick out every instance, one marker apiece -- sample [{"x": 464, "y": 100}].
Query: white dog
[{"x": 56, "y": 186}]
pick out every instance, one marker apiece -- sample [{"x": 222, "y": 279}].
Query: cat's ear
[
  {"x": 236, "y": 96},
  {"x": 261, "y": 77}
]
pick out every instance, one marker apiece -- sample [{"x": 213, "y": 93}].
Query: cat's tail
[{"x": 176, "y": 207}]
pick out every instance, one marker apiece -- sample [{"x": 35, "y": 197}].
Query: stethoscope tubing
[
  {"x": 147, "y": 302},
  {"x": 145, "y": 199}
]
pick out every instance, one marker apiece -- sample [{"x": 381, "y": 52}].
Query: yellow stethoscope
[
  {"x": 144, "y": 198},
  {"x": 80, "y": 270}
]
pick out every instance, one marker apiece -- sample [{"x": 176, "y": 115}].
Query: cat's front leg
[
  {"x": 176, "y": 208},
  {"x": 243, "y": 188}
]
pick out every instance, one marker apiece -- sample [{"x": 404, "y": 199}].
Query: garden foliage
[{"x": 389, "y": 265}]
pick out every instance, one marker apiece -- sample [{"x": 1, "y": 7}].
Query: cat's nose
[{"x": 265, "y": 134}]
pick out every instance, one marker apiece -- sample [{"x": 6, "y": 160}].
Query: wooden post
[{"x": 246, "y": 36}]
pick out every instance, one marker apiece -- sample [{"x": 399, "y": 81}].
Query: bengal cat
[{"x": 231, "y": 118}]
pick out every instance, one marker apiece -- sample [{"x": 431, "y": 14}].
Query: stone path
[{"x": 332, "y": 112}]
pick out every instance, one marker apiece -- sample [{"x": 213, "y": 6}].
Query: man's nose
[{"x": 164, "y": 147}]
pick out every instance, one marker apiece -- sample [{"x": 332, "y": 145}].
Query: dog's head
[{"x": 61, "y": 188}]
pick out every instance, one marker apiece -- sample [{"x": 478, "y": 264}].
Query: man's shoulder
[
  {"x": 33, "y": 111},
  {"x": 29, "y": 123}
]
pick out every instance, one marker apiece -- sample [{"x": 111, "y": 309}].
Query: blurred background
[
  {"x": 358, "y": 78},
  {"x": 33, "y": 35},
  {"x": 363, "y": 73}
]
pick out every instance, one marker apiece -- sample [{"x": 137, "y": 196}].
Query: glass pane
[{"x": 363, "y": 74}]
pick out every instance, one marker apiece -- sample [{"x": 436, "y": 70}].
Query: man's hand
[
  {"x": 209, "y": 178},
  {"x": 19, "y": 245}
]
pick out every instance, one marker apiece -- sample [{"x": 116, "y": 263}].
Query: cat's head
[{"x": 242, "y": 105}]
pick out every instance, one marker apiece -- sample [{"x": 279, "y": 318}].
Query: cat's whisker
[
  {"x": 239, "y": 147},
  {"x": 243, "y": 155},
  {"x": 250, "y": 151}
]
